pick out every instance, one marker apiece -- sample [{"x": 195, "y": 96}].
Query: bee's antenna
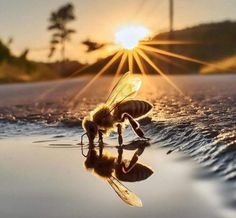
[
  {"x": 82, "y": 148},
  {"x": 82, "y": 151}
]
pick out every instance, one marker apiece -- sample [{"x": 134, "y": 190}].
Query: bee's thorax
[{"x": 103, "y": 117}]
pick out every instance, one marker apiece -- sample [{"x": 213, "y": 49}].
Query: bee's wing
[
  {"x": 124, "y": 193},
  {"x": 126, "y": 87}
]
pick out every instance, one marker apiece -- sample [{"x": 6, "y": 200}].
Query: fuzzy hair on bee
[{"x": 102, "y": 116}]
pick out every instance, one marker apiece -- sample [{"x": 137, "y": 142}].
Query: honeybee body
[
  {"x": 106, "y": 120},
  {"x": 120, "y": 106}
]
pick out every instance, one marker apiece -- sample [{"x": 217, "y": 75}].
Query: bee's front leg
[
  {"x": 120, "y": 154},
  {"x": 120, "y": 138},
  {"x": 135, "y": 125},
  {"x": 100, "y": 136}
]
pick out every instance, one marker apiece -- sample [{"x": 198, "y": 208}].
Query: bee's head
[{"x": 91, "y": 129}]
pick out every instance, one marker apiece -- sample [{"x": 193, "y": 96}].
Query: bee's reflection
[{"x": 115, "y": 168}]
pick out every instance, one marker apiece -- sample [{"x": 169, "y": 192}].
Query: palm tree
[{"x": 59, "y": 20}]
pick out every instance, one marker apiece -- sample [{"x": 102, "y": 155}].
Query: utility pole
[
  {"x": 171, "y": 15},
  {"x": 171, "y": 29}
]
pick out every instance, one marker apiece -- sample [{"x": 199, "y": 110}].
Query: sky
[{"x": 26, "y": 21}]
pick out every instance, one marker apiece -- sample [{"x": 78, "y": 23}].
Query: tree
[
  {"x": 59, "y": 20},
  {"x": 92, "y": 45},
  {"x": 24, "y": 54},
  {"x": 5, "y": 53}
]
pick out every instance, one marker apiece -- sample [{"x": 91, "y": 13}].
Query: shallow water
[
  {"x": 43, "y": 178},
  {"x": 200, "y": 124}
]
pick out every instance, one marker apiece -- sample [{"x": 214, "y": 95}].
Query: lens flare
[{"x": 128, "y": 37}]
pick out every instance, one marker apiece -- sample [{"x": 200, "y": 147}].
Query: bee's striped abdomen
[{"x": 135, "y": 108}]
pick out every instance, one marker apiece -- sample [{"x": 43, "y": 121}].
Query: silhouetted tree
[
  {"x": 24, "y": 54},
  {"x": 9, "y": 41},
  {"x": 59, "y": 20},
  {"x": 5, "y": 53},
  {"x": 92, "y": 45}
]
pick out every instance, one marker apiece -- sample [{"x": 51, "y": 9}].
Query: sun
[{"x": 128, "y": 37}]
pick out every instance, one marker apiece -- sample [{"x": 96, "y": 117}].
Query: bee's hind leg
[
  {"x": 134, "y": 159},
  {"x": 135, "y": 125}
]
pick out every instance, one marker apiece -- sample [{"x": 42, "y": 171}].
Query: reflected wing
[
  {"x": 124, "y": 193},
  {"x": 126, "y": 87}
]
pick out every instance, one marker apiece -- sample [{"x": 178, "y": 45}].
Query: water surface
[{"x": 200, "y": 125}]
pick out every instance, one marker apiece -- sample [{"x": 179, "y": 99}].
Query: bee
[
  {"x": 113, "y": 170},
  {"x": 119, "y": 107}
]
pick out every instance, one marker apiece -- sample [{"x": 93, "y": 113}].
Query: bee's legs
[
  {"x": 120, "y": 138},
  {"x": 100, "y": 137},
  {"x": 100, "y": 149},
  {"x": 120, "y": 154},
  {"x": 131, "y": 164},
  {"x": 135, "y": 125},
  {"x": 82, "y": 136},
  {"x": 134, "y": 160}
]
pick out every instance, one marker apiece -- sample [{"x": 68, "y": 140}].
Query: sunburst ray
[
  {"x": 187, "y": 98},
  {"x": 166, "y": 60},
  {"x": 143, "y": 72},
  {"x": 175, "y": 55},
  {"x": 159, "y": 71},
  {"x": 130, "y": 60},
  {"x": 119, "y": 68},
  {"x": 61, "y": 82},
  {"x": 169, "y": 42},
  {"x": 73, "y": 101}
]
